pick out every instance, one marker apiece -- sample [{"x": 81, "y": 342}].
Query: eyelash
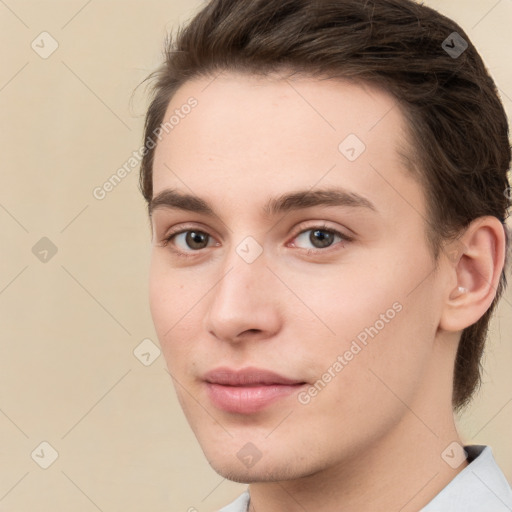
[{"x": 192, "y": 254}]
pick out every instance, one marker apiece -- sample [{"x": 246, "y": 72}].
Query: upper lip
[{"x": 247, "y": 377}]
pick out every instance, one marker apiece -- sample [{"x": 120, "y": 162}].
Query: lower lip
[{"x": 248, "y": 399}]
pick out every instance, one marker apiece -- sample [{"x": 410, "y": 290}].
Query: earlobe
[{"x": 476, "y": 271}]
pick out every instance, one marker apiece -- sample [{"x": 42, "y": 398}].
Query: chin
[
  {"x": 272, "y": 465},
  {"x": 259, "y": 473}
]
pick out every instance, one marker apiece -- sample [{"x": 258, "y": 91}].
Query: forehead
[{"x": 249, "y": 134}]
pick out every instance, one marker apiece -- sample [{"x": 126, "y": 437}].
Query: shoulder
[{"x": 481, "y": 485}]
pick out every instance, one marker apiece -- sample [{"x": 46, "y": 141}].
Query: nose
[{"x": 246, "y": 303}]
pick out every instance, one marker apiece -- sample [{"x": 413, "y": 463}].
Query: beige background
[{"x": 68, "y": 374}]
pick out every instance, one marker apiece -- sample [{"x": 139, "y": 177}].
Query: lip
[{"x": 247, "y": 390}]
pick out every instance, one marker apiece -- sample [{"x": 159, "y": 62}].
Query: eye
[
  {"x": 191, "y": 239},
  {"x": 320, "y": 237}
]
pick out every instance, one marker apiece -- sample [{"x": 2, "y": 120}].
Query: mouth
[{"x": 248, "y": 390}]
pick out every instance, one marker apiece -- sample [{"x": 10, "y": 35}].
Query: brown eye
[
  {"x": 323, "y": 237},
  {"x": 196, "y": 239},
  {"x": 193, "y": 239},
  {"x": 187, "y": 242},
  {"x": 319, "y": 237}
]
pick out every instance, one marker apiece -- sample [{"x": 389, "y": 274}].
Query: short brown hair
[{"x": 460, "y": 150}]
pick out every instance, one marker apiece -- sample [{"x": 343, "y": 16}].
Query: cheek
[
  {"x": 171, "y": 292},
  {"x": 168, "y": 304},
  {"x": 373, "y": 380},
  {"x": 385, "y": 324},
  {"x": 347, "y": 301},
  {"x": 160, "y": 300},
  {"x": 392, "y": 365}
]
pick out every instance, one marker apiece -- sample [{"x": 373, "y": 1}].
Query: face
[{"x": 286, "y": 323}]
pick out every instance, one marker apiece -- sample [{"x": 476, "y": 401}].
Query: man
[{"x": 327, "y": 188}]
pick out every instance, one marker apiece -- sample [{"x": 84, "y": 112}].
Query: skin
[{"x": 372, "y": 438}]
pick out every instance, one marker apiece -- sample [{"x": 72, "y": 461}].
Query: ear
[{"x": 476, "y": 262}]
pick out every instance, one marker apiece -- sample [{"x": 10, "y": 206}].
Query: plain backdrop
[{"x": 74, "y": 269}]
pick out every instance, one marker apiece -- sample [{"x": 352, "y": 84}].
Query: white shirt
[{"x": 480, "y": 487}]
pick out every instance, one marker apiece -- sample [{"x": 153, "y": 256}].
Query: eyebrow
[{"x": 298, "y": 200}]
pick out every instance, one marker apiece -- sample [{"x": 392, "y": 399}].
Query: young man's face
[{"x": 354, "y": 313}]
